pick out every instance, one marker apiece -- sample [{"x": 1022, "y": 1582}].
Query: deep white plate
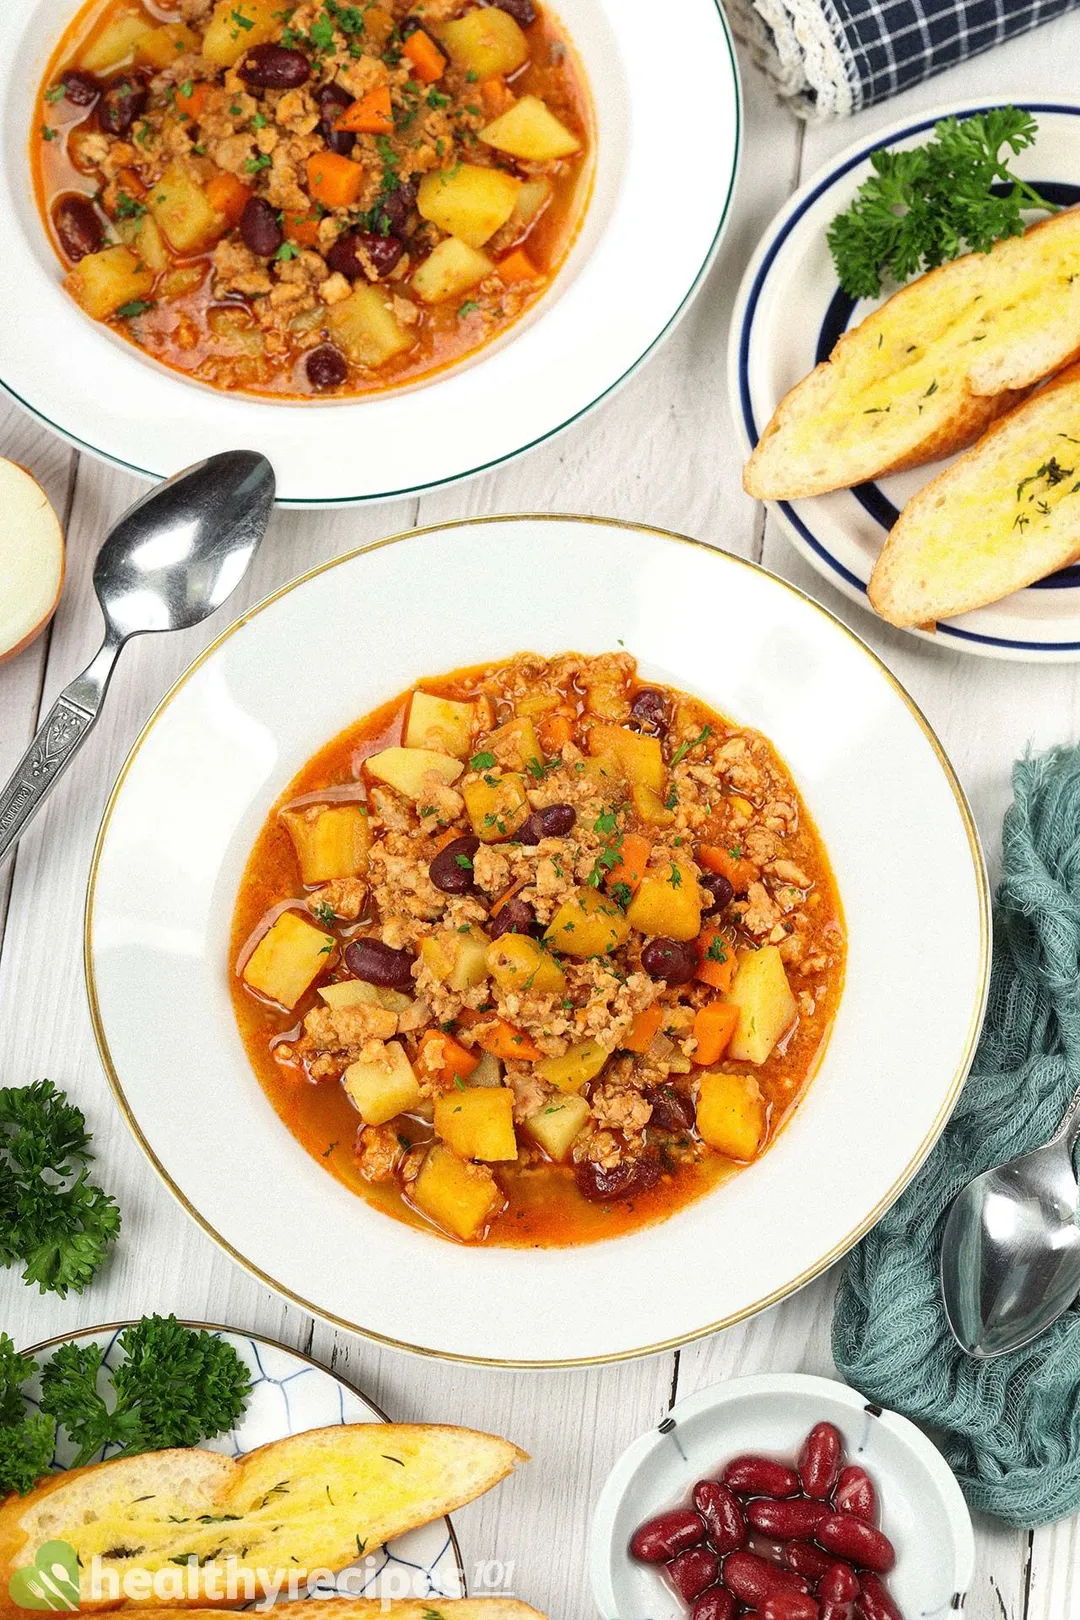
[
  {"x": 789, "y": 313},
  {"x": 324, "y": 651},
  {"x": 922, "y": 1509},
  {"x": 291, "y": 1393},
  {"x": 649, "y": 235}
]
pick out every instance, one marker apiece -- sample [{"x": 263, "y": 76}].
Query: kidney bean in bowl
[{"x": 752, "y": 1484}]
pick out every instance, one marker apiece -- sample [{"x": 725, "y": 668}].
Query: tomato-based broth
[
  {"x": 535, "y": 954},
  {"x": 313, "y": 199}
]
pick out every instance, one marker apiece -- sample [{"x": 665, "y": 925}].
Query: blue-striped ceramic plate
[
  {"x": 788, "y": 316},
  {"x": 291, "y": 1393}
]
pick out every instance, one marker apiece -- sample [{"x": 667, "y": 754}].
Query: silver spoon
[
  {"x": 166, "y": 565},
  {"x": 1010, "y": 1257}
]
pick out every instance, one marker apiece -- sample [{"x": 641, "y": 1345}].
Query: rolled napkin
[
  {"x": 832, "y": 58},
  {"x": 1009, "y": 1428}
]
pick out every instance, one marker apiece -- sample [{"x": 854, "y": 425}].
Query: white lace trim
[{"x": 800, "y": 45}]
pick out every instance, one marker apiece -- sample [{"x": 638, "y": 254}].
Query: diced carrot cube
[
  {"x": 714, "y": 1025},
  {"x": 303, "y": 229},
  {"x": 716, "y": 959},
  {"x": 517, "y": 266},
  {"x": 642, "y": 1032},
  {"x": 333, "y": 180},
  {"x": 739, "y": 872},
  {"x": 425, "y": 56},
  {"x": 634, "y": 852},
  {"x": 372, "y": 114},
  {"x": 193, "y": 104},
  {"x": 227, "y": 195}
]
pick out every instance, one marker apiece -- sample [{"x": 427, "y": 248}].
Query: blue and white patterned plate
[
  {"x": 291, "y": 1393},
  {"x": 788, "y": 316}
]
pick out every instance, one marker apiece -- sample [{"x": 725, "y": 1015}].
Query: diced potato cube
[
  {"x": 532, "y": 199},
  {"x": 530, "y": 130},
  {"x": 114, "y": 44},
  {"x": 331, "y": 840},
  {"x": 382, "y": 1088},
  {"x": 450, "y": 270},
  {"x": 575, "y": 1068},
  {"x": 486, "y": 42},
  {"x": 186, "y": 278},
  {"x": 667, "y": 903},
  {"x": 358, "y": 993},
  {"x": 289, "y": 957},
  {"x": 366, "y": 327},
  {"x": 517, "y": 962},
  {"x": 440, "y": 723},
  {"x": 516, "y": 744},
  {"x": 467, "y": 201},
  {"x": 731, "y": 1114},
  {"x": 182, "y": 210},
  {"x": 409, "y": 769},
  {"x": 488, "y": 1071},
  {"x": 604, "y": 769},
  {"x": 160, "y": 47},
  {"x": 237, "y": 25},
  {"x": 461, "y": 1198},
  {"x": 496, "y": 806},
  {"x": 650, "y": 806},
  {"x": 640, "y": 757},
  {"x": 557, "y": 1126},
  {"x": 104, "y": 282},
  {"x": 457, "y": 960},
  {"x": 588, "y": 924},
  {"x": 478, "y": 1124},
  {"x": 143, "y": 236},
  {"x": 767, "y": 1008}
]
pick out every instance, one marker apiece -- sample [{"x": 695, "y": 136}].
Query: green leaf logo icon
[{"x": 50, "y": 1582}]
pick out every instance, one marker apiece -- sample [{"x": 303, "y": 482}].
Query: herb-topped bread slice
[
  {"x": 429, "y": 1608},
  {"x": 931, "y": 369},
  {"x": 1005, "y": 514},
  {"x": 316, "y": 1500}
]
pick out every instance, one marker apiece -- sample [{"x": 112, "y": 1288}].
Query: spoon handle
[
  {"x": 1069, "y": 1129},
  {"x": 59, "y": 738}
]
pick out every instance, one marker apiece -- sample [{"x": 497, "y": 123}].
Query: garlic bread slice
[
  {"x": 930, "y": 370},
  {"x": 1005, "y": 514}
]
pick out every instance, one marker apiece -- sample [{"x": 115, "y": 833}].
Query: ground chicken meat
[
  {"x": 620, "y": 1108},
  {"x": 378, "y": 1152}
]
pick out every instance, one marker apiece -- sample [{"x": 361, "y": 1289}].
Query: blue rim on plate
[{"x": 873, "y": 500}]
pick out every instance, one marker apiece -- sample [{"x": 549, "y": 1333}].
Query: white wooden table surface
[{"x": 663, "y": 450}]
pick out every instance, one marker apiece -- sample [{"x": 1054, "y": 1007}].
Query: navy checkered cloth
[{"x": 831, "y": 58}]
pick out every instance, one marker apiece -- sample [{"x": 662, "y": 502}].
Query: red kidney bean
[
  {"x": 808, "y": 1560},
  {"x": 326, "y": 367},
  {"x": 81, "y": 88},
  {"x": 790, "y": 1606},
  {"x": 856, "y": 1541},
  {"x": 522, "y": 11},
  {"x": 122, "y": 101},
  {"x": 651, "y": 712},
  {"x": 715, "y": 1604},
  {"x": 875, "y": 1602},
  {"x": 384, "y": 252},
  {"x": 722, "y": 1514},
  {"x": 751, "y": 1475},
  {"x": 673, "y": 960},
  {"x": 831, "y": 1610},
  {"x": 819, "y": 1461},
  {"x": 855, "y": 1494},
  {"x": 623, "y": 1181},
  {"x": 395, "y": 208},
  {"x": 786, "y": 1521},
  {"x": 672, "y": 1110},
  {"x": 515, "y": 916},
  {"x": 274, "y": 67},
  {"x": 333, "y": 99},
  {"x": 260, "y": 229},
  {"x": 342, "y": 258},
  {"x": 78, "y": 225},
  {"x": 719, "y": 890},
  {"x": 380, "y": 964},
  {"x": 660, "y": 1540},
  {"x": 839, "y": 1584},
  {"x": 693, "y": 1572},
  {"x": 553, "y": 821},
  {"x": 752, "y": 1579},
  {"x": 451, "y": 870}
]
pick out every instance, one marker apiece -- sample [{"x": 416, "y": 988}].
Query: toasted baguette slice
[
  {"x": 1005, "y": 514},
  {"x": 430, "y": 1608},
  {"x": 314, "y": 1500},
  {"x": 931, "y": 369}
]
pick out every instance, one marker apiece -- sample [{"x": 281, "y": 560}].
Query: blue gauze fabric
[{"x": 1009, "y": 1428}]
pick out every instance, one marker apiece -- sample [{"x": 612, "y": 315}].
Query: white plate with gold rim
[
  {"x": 333, "y": 645},
  {"x": 624, "y": 284}
]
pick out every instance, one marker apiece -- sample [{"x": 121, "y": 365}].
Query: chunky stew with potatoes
[
  {"x": 537, "y": 952},
  {"x": 311, "y": 198}
]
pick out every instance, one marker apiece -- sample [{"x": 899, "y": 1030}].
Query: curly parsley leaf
[
  {"x": 27, "y": 1438},
  {"x": 931, "y": 203}
]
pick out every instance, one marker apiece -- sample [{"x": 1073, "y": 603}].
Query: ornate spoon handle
[{"x": 59, "y": 738}]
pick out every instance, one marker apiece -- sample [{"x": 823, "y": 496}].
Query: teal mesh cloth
[{"x": 1009, "y": 1428}]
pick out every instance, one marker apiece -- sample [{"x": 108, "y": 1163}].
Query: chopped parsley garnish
[
  {"x": 137, "y": 306},
  {"x": 464, "y": 861},
  {"x": 469, "y": 307},
  {"x": 481, "y": 762},
  {"x": 684, "y": 748}
]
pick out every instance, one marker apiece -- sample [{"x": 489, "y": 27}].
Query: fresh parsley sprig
[{"x": 931, "y": 203}]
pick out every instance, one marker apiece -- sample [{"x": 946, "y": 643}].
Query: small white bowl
[{"x": 923, "y": 1511}]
